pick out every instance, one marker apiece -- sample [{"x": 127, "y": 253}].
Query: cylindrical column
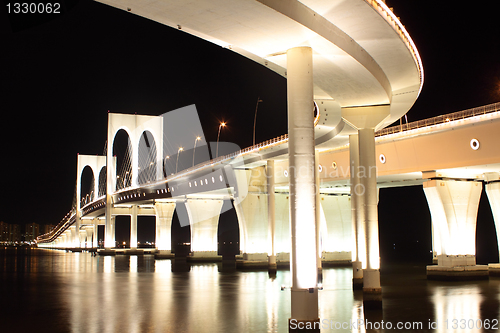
[
  {"x": 368, "y": 179},
  {"x": 74, "y": 237},
  {"x": 271, "y": 211},
  {"x": 95, "y": 235},
  {"x": 78, "y": 223},
  {"x": 109, "y": 231},
  {"x": 318, "y": 216},
  {"x": 304, "y": 292},
  {"x": 109, "y": 241},
  {"x": 359, "y": 248},
  {"x": 133, "y": 228}
]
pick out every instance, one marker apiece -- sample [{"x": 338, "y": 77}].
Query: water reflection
[{"x": 75, "y": 292}]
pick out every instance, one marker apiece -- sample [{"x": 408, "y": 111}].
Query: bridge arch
[
  {"x": 87, "y": 186},
  {"x": 122, "y": 150},
  {"x": 91, "y": 163},
  {"x": 137, "y": 128},
  {"x": 147, "y": 158},
  {"x": 101, "y": 188}
]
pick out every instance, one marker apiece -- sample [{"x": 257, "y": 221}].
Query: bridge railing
[
  {"x": 60, "y": 227},
  {"x": 440, "y": 119},
  {"x": 274, "y": 141}
]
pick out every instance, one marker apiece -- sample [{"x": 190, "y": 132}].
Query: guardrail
[{"x": 490, "y": 108}]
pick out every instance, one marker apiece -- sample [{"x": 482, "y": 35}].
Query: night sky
[{"x": 61, "y": 75}]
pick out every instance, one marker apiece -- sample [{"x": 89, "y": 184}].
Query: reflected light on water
[
  {"x": 81, "y": 293},
  {"x": 457, "y": 308},
  {"x": 338, "y": 307}
]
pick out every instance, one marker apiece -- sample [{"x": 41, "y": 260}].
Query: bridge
[{"x": 352, "y": 69}]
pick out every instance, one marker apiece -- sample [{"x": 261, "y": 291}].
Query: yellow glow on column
[
  {"x": 453, "y": 206},
  {"x": 305, "y": 248},
  {"x": 204, "y": 220},
  {"x": 164, "y": 213},
  {"x": 493, "y": 192}
]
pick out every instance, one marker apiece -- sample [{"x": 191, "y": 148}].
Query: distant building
[
  {"x": 10, "y": 233},
  {"x": 15, "y": 233},
  {"x": 4, "y": 231},
  {"x": 32, "y": 231}
]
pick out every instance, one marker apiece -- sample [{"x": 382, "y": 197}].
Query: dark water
[{"x": 53, "y": 291}]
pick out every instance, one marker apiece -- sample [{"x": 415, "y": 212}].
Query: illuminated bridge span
[
  {"x": 352, "y": 61},
  {"x": 451, "y": 155}
]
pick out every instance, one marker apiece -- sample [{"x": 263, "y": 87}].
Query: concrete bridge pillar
[
  {"x": 204, "y": 221},
  {"x": 133, "y": 227},
  {"x": 303, "y": 265},
  {"x": 164, "y": 214},
  {"x": 453, "y": 205},
  {"x": 78, "y": 223},
  {"x": 109, "y": 231},
  {"x": 74, "y": 237},
  {"x": 89, "y": 231},
  {"x": 359, "y": 245},
  {"x": 336, "y": 229},
  {"x": 253, "y": 216},
  {"x": 365, "y": 120},
  {"x": 67, "y": 240},
  {"x": 271, "y": 216},
  {"x": 493, "y": 192},
  {"x": 82, "y": 235},
  {"x": 282, "y": 236},
  {"x": 95, "y": 233}
]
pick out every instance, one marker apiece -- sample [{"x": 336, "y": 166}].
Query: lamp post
[
  {"x": 177, "y": 162},
  {"x": 222, "y": 124},
  {"x": 255, "y": 118},
  {"x": 167, "y": 158},
  {"x": 194, "y": 150}
]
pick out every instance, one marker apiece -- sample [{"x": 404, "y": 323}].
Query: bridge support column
[
  {"x": 82, "y": 238},
  {"x": 62, "y": 244},
  {"x": 164, "y": 214},
  {"x": 365, "y": 120},
  {"x": 133, "y": 228},
  {"x": 68, "y": 239},
  {"x": 336, "y": 227},
  {"x": 493, "y": 192},
  {"x": 74, "y": 237},
  {"x": 89, "y": 233},
  {"x": 204, "y": 220},
  {"x": 78, "y": 222},
  {"x": 453, "y": 205},
  {"x": 95, "y": 233},
  {"x": 271, "y": 216},
  {"x": 359, "y": 246},
  {"x": 253, "y": 215},
  {"x": 318, "y": 212},
  {"x": 282, "y": 242},
  {"x": 304, "y": 291},
  {"x": 109, "y": 231},
  {"x": 372, "y": 291}
]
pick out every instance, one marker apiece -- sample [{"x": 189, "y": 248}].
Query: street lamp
[
  {"x": 255, "y": 118},
  {"x": 177, "y": 162},
  {"x": 222, "y": 124},
  {"x": 194, "y": 150}
]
